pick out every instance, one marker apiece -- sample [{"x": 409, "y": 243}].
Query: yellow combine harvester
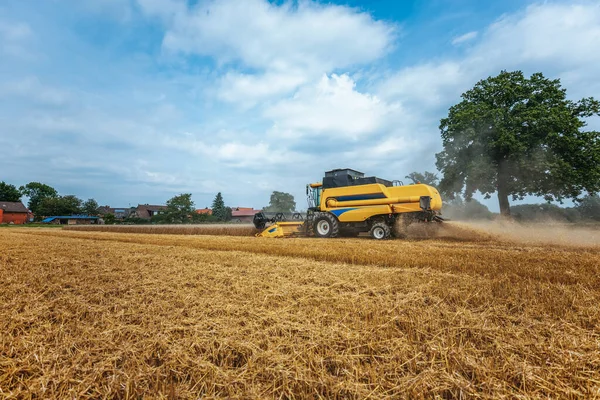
[{"x": 347, "y": 203}]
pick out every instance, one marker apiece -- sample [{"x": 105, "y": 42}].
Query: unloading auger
[{"x": 347, "y": 203}]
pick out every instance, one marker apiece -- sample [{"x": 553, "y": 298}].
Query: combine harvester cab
[{"x": 346, "y": 203}]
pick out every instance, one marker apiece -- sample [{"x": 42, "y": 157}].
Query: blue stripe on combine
[
  {"x": 340, "y": 211},
  {"x": 361, "y": 197}
]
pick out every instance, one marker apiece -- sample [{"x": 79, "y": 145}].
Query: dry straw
[
  {"x": 205, "y": 229},
  {"x": 106, "y": 315}
]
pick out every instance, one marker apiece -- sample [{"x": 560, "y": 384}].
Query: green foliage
[
  {"x": 589, "y": 207},
  {"x": 133, "y": 220},
  {"x": 545, "y": 212},
  {"x": 37, "y": 192},
  {"x": 90, "y": 207},
  {"x": 179, "y": 209},
  {"x": 62, "y": 205},
  {"x": 281, "y": 202},
  {"x": 519, "y": 136},
  {"x": 459, "y": 209},
  {"x": 427, "y": 178},
  {"x": 109, "y": 218},
  {"x": 219, "y": 211},
  {"x": 9, "y": 192}
]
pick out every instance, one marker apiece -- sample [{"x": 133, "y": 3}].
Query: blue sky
[{"x": 134, "y": 101}]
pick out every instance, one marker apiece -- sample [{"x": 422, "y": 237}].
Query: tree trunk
[
  {"x": 504, "y": 204},
  {"x": 502, "y": 190}
]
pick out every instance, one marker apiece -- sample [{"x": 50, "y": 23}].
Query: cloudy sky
[{"x": 134, "y": 101}]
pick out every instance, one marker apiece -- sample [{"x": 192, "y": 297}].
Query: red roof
[
  {"x": 206, "y": 211},
  {"x": 243, "y": 212}
]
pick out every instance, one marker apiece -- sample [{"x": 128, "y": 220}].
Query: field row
[{"x": 204, "y": 229}]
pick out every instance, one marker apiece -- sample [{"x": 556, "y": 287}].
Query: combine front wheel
[
  {"x": 326, "y": 225},
  {"x": 380, "y": 231}
]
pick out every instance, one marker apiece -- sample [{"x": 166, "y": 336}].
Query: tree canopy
[
  {"x": 9, "y": 192},
  {"x": 281, "y": 202},
  {"x": 59, "y": 205},
  {"x": 589, "y": 207},
  {"x": 518, "y": 136},
  {"x": 90, "y": 207},
  {"x": 37, "y": 192},
  {"x": 180, "y": 208}
]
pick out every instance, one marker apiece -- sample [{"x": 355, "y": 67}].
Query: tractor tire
[
  {"x": 326, "y": 226},
  {"x": 380, "y": 231}
]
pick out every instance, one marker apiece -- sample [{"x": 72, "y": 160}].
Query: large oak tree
[{"x": 518, "y": 136}]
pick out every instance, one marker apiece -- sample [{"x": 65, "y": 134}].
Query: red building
[
  {"x": 13, "y": 212},
  {"x": 243, "y": 214}
]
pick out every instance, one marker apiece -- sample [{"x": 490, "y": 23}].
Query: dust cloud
[{"x": 547, "y": 233}]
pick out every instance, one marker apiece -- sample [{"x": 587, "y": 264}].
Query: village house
[
  {"x": 120, "y": 213},
  {"x": 243, "y": 214},
  {"x": 13, "y": 212},
  {"x": 204, "y": 211},
  {"x": 147, "y": 211}
]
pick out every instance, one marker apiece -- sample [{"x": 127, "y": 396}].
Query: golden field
[
  {"x": 194, "y": 229},
  {"x": 456, "y": 315}
]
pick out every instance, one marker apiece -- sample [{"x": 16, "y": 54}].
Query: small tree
[
  {"x": 219, "y": 210},
  {"x": 180, "y": 209},
  {"x": 9, "y": 192},
  {"x": 518, "y": 136},
  {"x": 90, "y": 207},
  {"x": 37, "y": 192},
  {"x": 109, "y": 218},
  {"x": 281, "y": 202}
]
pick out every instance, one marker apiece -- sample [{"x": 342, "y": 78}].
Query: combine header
[{"x": 347, "y": 203}]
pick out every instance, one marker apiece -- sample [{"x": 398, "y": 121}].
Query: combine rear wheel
[
  {"x": 326, "y": 225},
  {"x": 380, "y": 231}
]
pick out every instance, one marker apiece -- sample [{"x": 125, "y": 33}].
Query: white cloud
[
  {"x": 556, "y": 39},
  {"x": 332, "y": 107},
  {"x": 248, "y": 89},
  {"x": 429, "y": 85},
  {"x": 555, "y": 35},
  {"x": 464, "y": 38},
  {"x": 235, "y": 153},
  {"x": 264, "y": 35}
]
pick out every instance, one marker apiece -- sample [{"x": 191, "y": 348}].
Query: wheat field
[{"x": 128, "y": 315}]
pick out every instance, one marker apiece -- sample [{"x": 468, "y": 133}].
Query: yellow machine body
[
  {"x": 282, "y": 229},
  {"x": 346, "y": 204},
  {"x": 359, "y": 203}
]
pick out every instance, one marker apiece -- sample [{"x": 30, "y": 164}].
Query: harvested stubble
[
  {"x": 92, "y": 315},
  {"x": 200, "y": 229}
]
